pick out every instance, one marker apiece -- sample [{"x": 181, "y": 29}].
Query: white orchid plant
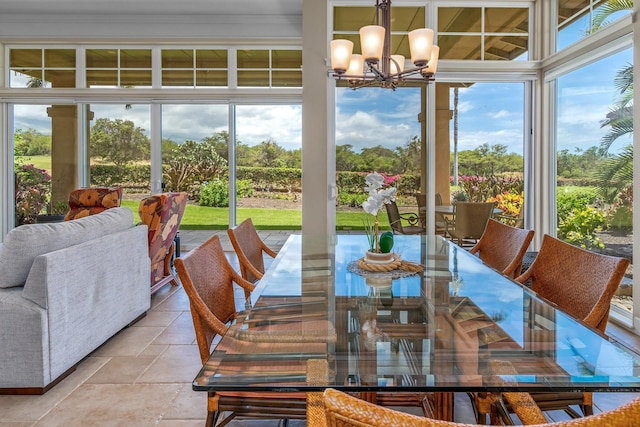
[{"x": 378, "y": 197}]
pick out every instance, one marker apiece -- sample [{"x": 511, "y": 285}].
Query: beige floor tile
[
  {"x": 178, "y": 301},
  {"x": 158, "y": 318},
  {"x": 105, "y": 405},
  {"x": 180, "y": 331},
  {"x": 130, "y": 342},
  {"x": 16, "y": 424},
  {"x": 121, "y": 370},
  {"x": 32, "y": 408},
  {"x": 188, "y": 405},
  {"x": 179, "y": 364},
  {"x": 153, "y": 350}
]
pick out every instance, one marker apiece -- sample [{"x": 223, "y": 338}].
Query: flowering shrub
[
  {"x": 510, "y": 203},
  {"x": 620, "y": 213},
  {"x": 480, "y": 188},
  {"x": 33, "y": 190}
]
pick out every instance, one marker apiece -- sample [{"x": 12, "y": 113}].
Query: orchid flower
[
  {"x": 374, "y": 182},
  {"x": 373, "y": 204}
]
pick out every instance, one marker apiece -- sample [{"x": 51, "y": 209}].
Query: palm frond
[{"x": 606, "y": 10}]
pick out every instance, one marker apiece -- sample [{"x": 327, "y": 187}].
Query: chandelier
[{"x": 383, "y": 69}]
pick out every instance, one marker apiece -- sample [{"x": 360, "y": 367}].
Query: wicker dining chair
[
  {"x": 582, "y": 284},
  {"x": 250, "y": 250},
  {"x": 469, "y": 221},
  {"x": 343, "y": 410},
  {"x": 502, "y": 247},
  {"x": 208, "y": 278}
]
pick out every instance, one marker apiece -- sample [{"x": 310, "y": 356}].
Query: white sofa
[{"x": 66, "y": 288}]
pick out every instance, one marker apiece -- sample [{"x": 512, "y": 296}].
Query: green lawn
[
  {"x": 206, "y": 218},
  {"x": 41, "y": 162}
]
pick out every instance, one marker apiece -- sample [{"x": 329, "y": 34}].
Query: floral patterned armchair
[
  {"x": 90, "y": 201},
  {"x": 162, "y": 213}
]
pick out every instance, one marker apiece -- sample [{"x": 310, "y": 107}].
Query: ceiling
[{"x": 155, "y": 7}]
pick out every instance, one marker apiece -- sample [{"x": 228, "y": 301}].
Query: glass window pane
[
  {"x": 286, "y": 58},
  {"x": 135, "y": 78},
  {"x": 400, "y": 46},
  {"x": 177, "y": 58},
  {"x": 212, "y": 78},
  {"x": 60, "y": 58},
  {"x": 287, "y": 79},
  {"x": 182, "y": 78},
  {"x": 352, "y": 18},
  {"x": 26, "y": 78},
  {"x": 27, "y": 58},
  {"x": 594, "y": 161},
  {"x": 253, "y": 78},
  {"x": 506, "y": 20},
  {"x": 198, "y": 131},
  {"x": 102, "y": 78},
  {"x": 206, "y": 58},
  {"x": 507, "y": 48},
  {"x": 392, "y": 147},
  {"x": 459, "y": 19},
  {"x": 269, "y": 159},
  {"x": 120, "y": 140},
  {"x": 460, "y": 47},
  {"x": 579, "y": 18},
  {"x": 407, "y": 18},
  {"x": 253, "y": 59},
  {"x": 135, "y": 58},
  {"x": 60, "y": 78},
  {"x": 102, "y": 58}
]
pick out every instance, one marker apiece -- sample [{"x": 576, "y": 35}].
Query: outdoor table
[{"x": 439, "y": 330}]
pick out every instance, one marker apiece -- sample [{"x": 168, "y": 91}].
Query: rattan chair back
[
  {"x": 470, "y": 220},
  {"x": 582, "y": 283},
  {"x": 207, "y": 278},
  {"x": 343, "y": 410},
  {"x": 502, "y": 247},
  {"x": 250, "y": 250}
]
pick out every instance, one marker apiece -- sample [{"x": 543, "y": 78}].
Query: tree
[
  {"x": 380, "y": 159},
  {"x": 190, "y": 164},
  {"x": 270, "y": 154},
  {"x": 31, "y": 143},
  {"x": 118, "y": 141},
  {"x": 348, "y": 160},
  {"x": 410, "y": 156}
]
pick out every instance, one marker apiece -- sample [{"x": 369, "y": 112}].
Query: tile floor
[{"x": 142, "y": 376}]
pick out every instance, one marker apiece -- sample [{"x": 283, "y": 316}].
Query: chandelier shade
[
  {"x": 341, "y": 51},
  {"x": 375, "y": 66}
]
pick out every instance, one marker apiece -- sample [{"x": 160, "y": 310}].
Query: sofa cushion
[{"x": 23, "y": 244}]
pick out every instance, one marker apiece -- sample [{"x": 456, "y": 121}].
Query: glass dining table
[{"x": 447, "y": 327}]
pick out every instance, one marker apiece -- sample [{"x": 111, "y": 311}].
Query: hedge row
[{"x": 268, "y": 179}]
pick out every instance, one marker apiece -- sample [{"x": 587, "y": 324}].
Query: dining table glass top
[{"x": 457, "y": 325}]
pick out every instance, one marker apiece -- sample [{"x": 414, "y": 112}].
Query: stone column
[
  {"x": 64, "y": 150},
  {"x": 443, "y": 141}
]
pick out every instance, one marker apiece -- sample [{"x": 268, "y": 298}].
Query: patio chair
[
  {"x": 92, "y": 200},
  {"x": 469, "y": 221},
  {"x": 162, "y": 214},
  {"x": 582, "y": 284},
  {"x": 250, "y": 250},
  {"x": 503, "y": 247},
  {"x": 341, "y": 409},
  {"x": 208, "y": 280},
  {"x": 412, "y": 220}
]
